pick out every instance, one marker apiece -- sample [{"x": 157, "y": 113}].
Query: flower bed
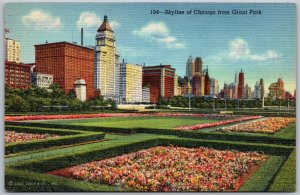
[
  {"x": 171, "y": 169},
  {"x": 78, "y": 116},
  {"x": 266, "y": 125},
  {"x": 12, "y": 136},
  {"x": 219, "y": 123}
]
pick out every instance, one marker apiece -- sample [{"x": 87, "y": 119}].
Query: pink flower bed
[
  {"x": 171, "y": 169},
  {"x": 266, "y": 125},
  {"x": 218, "y": 123},
  {"x": 12, "y": 136}
]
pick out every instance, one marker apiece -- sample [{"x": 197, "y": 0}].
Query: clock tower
[{"x": 106, "y": 62}]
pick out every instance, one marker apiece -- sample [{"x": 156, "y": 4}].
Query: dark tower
[
  {"x": 241, "y": 87},
  {"x": 206, "y": 83},
  {"x": 198, "y": 65},
  {"x": 262, "y": 88}
]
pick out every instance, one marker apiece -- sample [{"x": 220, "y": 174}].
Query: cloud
[
  {"x": 41, "y": 20},
  {"x": 238, "y": 49},
  {"x": 89, "y": 19},
  {"x": 114, "y": 24},
  {"x": 159, "y": 32}
]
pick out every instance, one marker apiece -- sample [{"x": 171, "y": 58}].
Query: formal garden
[{"x": 158, "y": 151}]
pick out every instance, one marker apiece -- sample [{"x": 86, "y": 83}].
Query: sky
[{"x": 263, "y": 45}]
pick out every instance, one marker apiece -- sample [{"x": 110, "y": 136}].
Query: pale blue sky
[{"x": 264, "y": 46}]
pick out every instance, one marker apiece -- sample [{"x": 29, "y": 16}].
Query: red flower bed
[
  {"x": 218, "y": 123},
  {"x": 79, "y": 116},
  {"x": 67, "y": 116},
  {"x": 171, "y": 169},
  {"x": 12, "y": 136}
]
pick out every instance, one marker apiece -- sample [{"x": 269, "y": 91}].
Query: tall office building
[
  {"x": 190, "y": 68},
  {"x": 206, "y": 83},
  {"x": 68, "y": 63},
  {"x": 130, "y": 83},
  {"x": 12, "y": 50},
  {"x": 198, "y": 65},
  {"x": 106, "y": 63},
  {"x": 214, "y": 86},
  {"x": 241, "y": 87},
  {"x": 160, "y": 80}
]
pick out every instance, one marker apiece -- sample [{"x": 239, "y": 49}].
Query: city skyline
[{"x": 264, "y": 46}]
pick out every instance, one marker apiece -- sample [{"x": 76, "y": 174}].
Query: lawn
[{"x": 138, "y": 122}]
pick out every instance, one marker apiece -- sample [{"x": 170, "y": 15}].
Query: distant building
[
  {"x": 146, "y": 95},
  {"x": 67, "y": 62},
  {"x": 288, "y": 96},
  {"x": 41, "y": 80},
  {"x": 198, "y": 65},
  {"x": 198, "y": 84},
  {"x": 176, "y": 85},
  {"x": 277, "y": 90},
  {"x": 206, "y": 84},
  {"x": 130, "y": 83},
  {"x": 262, "y": 88},
  {"x": 214, "y": 87},
  {"x": 12, "y": 50},
  {"x": 17, "y": 75},
  {"x": 160, "y": 80},
  {"x": 106, "y": 64},
  {"x": 258, "y": 91},
  {"x": 248, "y": 92},
  {"x": 241, "y": 85},
  {"x": 190, "y": 67}
]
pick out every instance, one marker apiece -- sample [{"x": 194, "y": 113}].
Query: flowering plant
[
  {"x": 12, "y": 136},
  {"x": 218, "y": 123},
  {"x": 170, "y": 169},
  {"x": 265, "y": 125}
]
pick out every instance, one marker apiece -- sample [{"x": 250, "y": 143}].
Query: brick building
[
  {"x": 160, "y": 80},
  {"x": 67, "y": 63},
  {"x": 17, "y": 75}
]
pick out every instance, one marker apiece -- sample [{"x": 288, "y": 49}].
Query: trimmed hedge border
[
  {"x": 68, "y": 139},
  {"x": 181, "y": 133},
  {"x": 44, "y": 165}
]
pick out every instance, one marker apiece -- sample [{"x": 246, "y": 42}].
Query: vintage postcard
[{"x": 150, "y": 97}]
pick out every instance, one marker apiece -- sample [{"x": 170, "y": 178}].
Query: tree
[{"x": 72, "y": 94}]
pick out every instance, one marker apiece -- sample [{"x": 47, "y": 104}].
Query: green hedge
[
  {"x": 261, "y": 180},
  {"x": 285, "y": 181},
  {"x": 62, "y": 161},
  {"x": 25, "y": 181},
  {"x": 78, "y": 127},
  {"x": 64, "y": 140},
  {"x": 181, "y": 133},
  {"x": 58, "y": 162}
]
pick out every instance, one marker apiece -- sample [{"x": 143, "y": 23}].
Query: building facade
[
  {"x": 276, "y": 90},
  {"x": 106, "y": 62},
  {"x": 67, "y": 63},
  {"x": 160, "y": 80},
  {"x": 17, "y": 75},
  {"x": 146, "y": 95},
  {"x": 12, "y": 50},
  {"x": 41, "y": 80},
  {"x": 130, "y": 83}
]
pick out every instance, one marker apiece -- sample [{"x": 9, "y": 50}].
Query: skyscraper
[
  {"x": 262, "y": 88},
  {"x": 206, "y": 84},
  {"x": 198, "y": 65},
  {"x": 241, "y": 85},
  {"x": 130, "y": 84},
  {"x": 12, "y": 50},
  {"x": 190, "y": 67},
  {"x": 160, "y": 80},
  {"x": 106, "y": 63}
]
